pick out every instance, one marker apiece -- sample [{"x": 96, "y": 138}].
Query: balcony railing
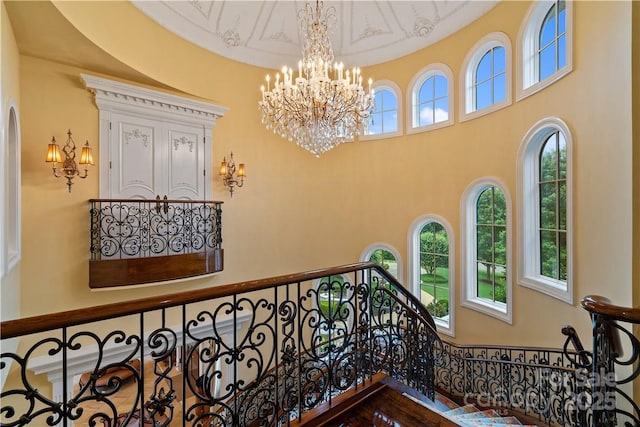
[
  {"x": 266, "y": 352},
  {"x": 142, "y": 241},
  {"x": 254, "y": 353}
]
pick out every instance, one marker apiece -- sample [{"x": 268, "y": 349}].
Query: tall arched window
[
  {"x": 385, "y": 118},
  {"x": 486, "y": 213},
  {"x": 486, "y": 85},
  {"x": 431, "y": 269},
  {"x": 11, "y": 227},
  {"x": 545, "y": 45},
  {"x": 385, "y": 255},
  {"x": 430, "y": 99},
  {"x": 544, "y": 183}
]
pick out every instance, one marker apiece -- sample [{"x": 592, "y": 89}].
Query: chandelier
[{"x": 322, "y": 104}]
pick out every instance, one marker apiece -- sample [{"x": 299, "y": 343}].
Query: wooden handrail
[
  {"x": 153, "y": 201},
  {"x": 47, "y": 322},
  {"x": 597, "y": 304}
]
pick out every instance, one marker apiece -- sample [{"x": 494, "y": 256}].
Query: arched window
[
  {"x": 430, "y": 99},
  {"x": 545, "y": 45},
  {"x": 334, "y": 300},
  {"x": 544, "y": 183},
  {"x": 385, "y": 118},
  {"x": 385, "y": 255},
  {"x": 486, "y": 226},
  {"x": 486, "y": 86},
  {"x": 431, "y": 255},
  {"x": 11, "y": 227}
]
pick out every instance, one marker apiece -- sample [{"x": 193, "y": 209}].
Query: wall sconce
[
  {"x": 69, "y": 168},
  {"x": 229, "y": 176}
]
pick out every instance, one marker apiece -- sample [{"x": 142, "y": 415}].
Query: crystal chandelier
[{"x": 322, "y": 104}]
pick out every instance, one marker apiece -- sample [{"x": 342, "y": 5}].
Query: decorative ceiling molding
[{"x": 265, "y": 32}]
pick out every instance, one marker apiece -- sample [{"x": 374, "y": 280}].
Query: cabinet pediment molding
[{"x": 125, "y": 98}]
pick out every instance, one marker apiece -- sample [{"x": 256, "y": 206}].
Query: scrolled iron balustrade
[
  {"x": 255, "y": 353},
  {"x": 267, "y": 352},
  {"x": 141, "y": 241},
  {"x": 609, "y": 403}
]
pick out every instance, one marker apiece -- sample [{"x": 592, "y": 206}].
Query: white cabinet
[
  {"x": 150, "y": 158},
  {"x": 153, "y": 143}
]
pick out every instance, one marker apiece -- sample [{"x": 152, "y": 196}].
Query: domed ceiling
[{"x": 265, "y": 33}]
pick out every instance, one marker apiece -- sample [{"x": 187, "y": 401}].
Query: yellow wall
[
  {"x": 10, "y": 95},
  {"x": 297, "y": 212}
]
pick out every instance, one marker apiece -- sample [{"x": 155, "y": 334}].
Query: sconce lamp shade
[
  {"x": 53, "y": 153},
  {"x": 223, "y": 168},
  {"x": 241, "y": 173},
  {"x": 86, "y": 157}
]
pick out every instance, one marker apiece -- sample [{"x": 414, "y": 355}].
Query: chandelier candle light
[{"x": 319, "y": 111}]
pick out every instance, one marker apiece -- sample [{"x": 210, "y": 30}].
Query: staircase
[
  {"x": 388, "y": 403},
  {"x": 470, "y": 415}
]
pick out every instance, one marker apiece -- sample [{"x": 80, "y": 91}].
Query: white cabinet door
[
  {"x": 151, "y": 158},
  {"x": 185, "y": 163}
]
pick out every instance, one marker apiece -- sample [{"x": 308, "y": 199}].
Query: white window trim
[
  {"x": 471, "y": 61},
  {"x": 11, "y": 249},
  {"x": 369, "y": 250},
  {"x": 468, "y": 286},
  {"x": 527, "y": 82},
  {"x": 413, "y": 90},
  {"x": 528, "y": 218},
  {"x": 413, "y": 261},
  {"x": 393, "y": 87}
]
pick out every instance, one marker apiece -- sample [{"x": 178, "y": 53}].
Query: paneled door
[{"x": 150, "y": 158}]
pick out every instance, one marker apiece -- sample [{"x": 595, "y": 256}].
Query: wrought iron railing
[
  {"x": 567, "y": 387},
  {"x": 537, "y": 382},
  {"x": 254, "y": 353},
  {"x": 169, "y": 238},
  {"x": 612, "y": 327}
]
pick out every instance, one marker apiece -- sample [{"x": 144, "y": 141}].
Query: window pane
[
  {"x": 548, "y": 159},
  {"x": 484, "y": 243},
  {"x": 483, "y": 95},
  {"x": 389, "y": 101},
  {"x": 562, "y": 205},
  {"x": 500, "y": 290},
  {"x": 562, "y": 52},
  {"x": 548, "y": 31},
  {"x": 426, "y": 91},
  {"x": 483, "y": 71},
  {"x": 548, "y": 258},
  {"x": 547, "y": 61},
  {"x": 484, "y": 214},
  {"x": 498, "y": 60},
  {"x": 500, "y": 241},
  {"x": 442, "y": 110},
  {"x": 562, "y": 147},
  {"x": 562, "y": 17},
  {"x": 378, "y": 101},
  {"x": 499, "y": 88},
  {"x": 441, "y": 88},
  {"x": 548, "y": 206},
  {"x": 499, "y": 207},
  {"x": 426, "y": 114},
  {"x": 562, "y": 238},
  {"x": 485, "y": 280},
  {"x": 390, "y": 121},
  {"x": 374, "y": 124}
]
